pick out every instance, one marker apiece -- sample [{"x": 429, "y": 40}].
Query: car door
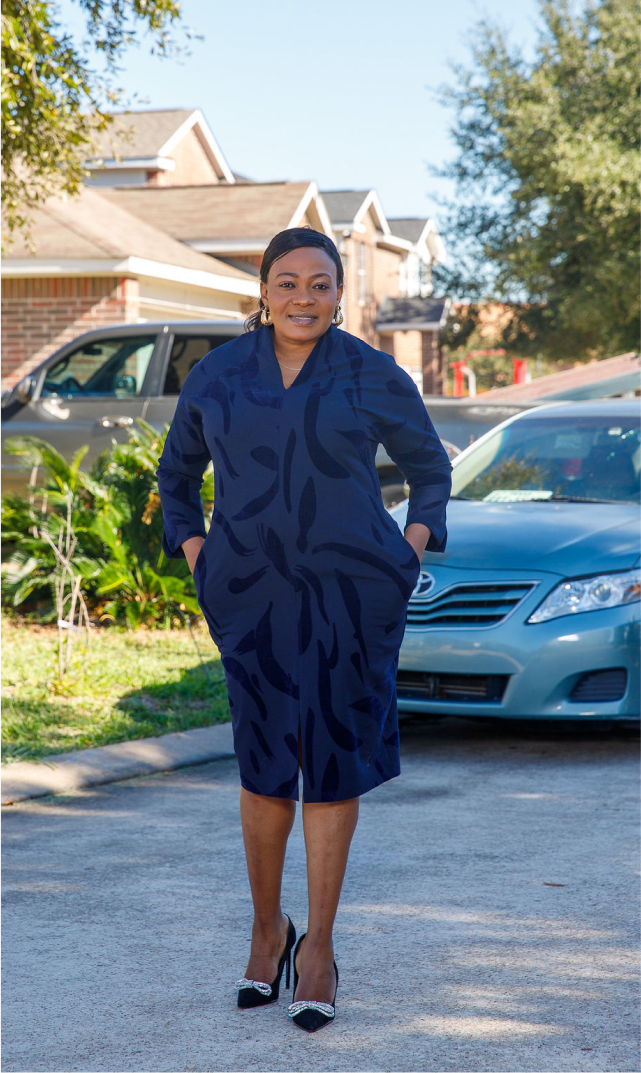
[
  {"x": 185, "y": 350},
  {"x": 90, "y": 395}
]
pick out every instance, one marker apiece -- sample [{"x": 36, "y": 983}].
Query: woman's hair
[{"x": 286, "y": 241}]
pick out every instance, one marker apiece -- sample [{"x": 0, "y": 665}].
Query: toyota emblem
[{"x": 424, "y": 586}]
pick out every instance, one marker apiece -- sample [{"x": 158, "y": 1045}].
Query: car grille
[
  {"x": 468, "y": 605},
  {"x": 601, "y": 685},
  {"x": 464, "y": 688}
]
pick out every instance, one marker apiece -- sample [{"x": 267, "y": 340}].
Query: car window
[
  {"x": 186, "y": 351},
  {"x": 546, "y": 458},
  {"x": 102, "y": 367}
]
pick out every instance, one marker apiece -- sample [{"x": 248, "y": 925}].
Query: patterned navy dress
[{"x": 304, "y": 578}]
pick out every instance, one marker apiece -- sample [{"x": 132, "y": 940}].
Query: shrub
[{"x": 115, "y": 515}]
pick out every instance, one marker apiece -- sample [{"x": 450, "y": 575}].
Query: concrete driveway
[{"x": 489, "y": 918}]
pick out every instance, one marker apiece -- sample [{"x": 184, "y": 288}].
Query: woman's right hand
[{"x": 191, "y": 548}]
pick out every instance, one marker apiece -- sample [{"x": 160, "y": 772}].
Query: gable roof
[
  {"x": 139, "y": 138},
  {"x": 89, "y": 230},
  {"x": 219, "y": 219},
  {"x": 343, "y": 205},
  {"x": 348, "y": 207},
  {"x": 409, "y": 228}
]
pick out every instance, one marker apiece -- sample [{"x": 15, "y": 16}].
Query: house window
[{"x": 362, "y": 274}]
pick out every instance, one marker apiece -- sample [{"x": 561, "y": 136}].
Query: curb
[{"x": 109, "y": 763}]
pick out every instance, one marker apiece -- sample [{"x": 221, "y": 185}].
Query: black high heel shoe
[
  {"x": 256, "y": 993},
  {"x": 308, "y": 1013}
]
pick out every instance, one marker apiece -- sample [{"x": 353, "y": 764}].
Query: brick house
[
  {"x": 95, "y": 265},
  {"x": 165, "y": 229},
  {"x": 230, "y": 222},
  {"x": 388, "y": 275},
  {"x": 172, "y": 147}
]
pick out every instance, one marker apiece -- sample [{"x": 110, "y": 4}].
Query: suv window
[
  {"x": 186, "y": 352},
  {"x": 102, "y": 367}
]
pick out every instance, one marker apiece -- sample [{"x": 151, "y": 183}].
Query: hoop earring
[
  {"x": 338, "y": 317},
  {"x": 265, "y": 318}
]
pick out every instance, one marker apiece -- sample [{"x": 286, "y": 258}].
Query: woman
[{"x": 303, "y": 579}]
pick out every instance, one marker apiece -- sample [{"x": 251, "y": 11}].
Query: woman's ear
[
  {"x": 339, "y": 293},
  {"x": 263, "y": 291}
]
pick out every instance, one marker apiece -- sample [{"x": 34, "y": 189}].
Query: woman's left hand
[{"x": 417, "y": 536}]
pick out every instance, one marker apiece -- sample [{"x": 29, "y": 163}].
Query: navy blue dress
[{"x": 304, "y": 578}]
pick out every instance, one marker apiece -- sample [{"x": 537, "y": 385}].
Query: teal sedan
[{"x": 533, "y": 611}]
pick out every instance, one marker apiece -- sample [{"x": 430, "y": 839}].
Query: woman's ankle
[
  {"x": 266, "y": 928},
  {"x": 319, "y": 946}
]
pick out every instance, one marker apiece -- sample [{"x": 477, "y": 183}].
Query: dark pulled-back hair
[{"x": 286, "y": 241}]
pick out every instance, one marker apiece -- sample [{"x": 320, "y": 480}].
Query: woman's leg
[
  {"x": 328, "y": 828},
  {"x": 266, "y": 823}
]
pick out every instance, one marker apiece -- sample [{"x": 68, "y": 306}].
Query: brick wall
[
  {"x": 41, "y": 314},
  {"x": 433, "y": 365}
]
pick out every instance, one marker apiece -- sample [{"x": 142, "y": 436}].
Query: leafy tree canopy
[
  {"x": 547, "y": 178},
  {"x": 54, "y": 99}
]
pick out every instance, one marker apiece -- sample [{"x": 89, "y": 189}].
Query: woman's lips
[{"x": 302, "y": 318}]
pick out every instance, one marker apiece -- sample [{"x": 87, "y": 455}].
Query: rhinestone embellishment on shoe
[
  {"x": 323, "y": 1007},
  {"x": 258, "y": 985}
]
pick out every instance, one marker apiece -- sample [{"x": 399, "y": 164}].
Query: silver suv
[{"x": 93, "y": 389}]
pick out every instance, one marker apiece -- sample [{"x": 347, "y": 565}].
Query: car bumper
[{"x": 538, "y": 665}]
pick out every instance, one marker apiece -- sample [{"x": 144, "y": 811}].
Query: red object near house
[
  {"x": 520, "y": 370},
  {"x": 459, "y": 381}
]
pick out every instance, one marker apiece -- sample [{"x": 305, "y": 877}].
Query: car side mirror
[
  {"x": 125, "y": 385},
  {"x": 25, "y": 389}
]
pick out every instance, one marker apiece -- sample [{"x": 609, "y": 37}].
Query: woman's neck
[{"x": 291, "y": 352}]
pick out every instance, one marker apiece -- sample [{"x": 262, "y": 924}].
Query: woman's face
[{"x": 301, "y": 294}]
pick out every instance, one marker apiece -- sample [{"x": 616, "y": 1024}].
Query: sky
[{"x": 341, "y": 91}]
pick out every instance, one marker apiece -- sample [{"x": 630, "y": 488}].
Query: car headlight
[{"x": 589, "y": 594}]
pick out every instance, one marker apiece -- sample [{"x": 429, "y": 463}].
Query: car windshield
[{"x": 578, "y": 459}]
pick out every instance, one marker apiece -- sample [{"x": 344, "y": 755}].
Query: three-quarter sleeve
[
  {"x": 180, "y": 472},
  {"x": 411, "y": 441}
]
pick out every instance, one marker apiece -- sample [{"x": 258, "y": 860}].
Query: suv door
[
  {"x": 186, "y": 349},
  {"x": 90, "y": 395}
]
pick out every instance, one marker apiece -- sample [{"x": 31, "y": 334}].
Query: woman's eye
[
  {"x": 286, "y": 283},
  {"x": 323, "y": 286}
]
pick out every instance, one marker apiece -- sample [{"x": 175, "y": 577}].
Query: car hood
[{"x": 569, "y": 539}]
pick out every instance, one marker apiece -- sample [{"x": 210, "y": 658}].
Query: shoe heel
[{"x": 288, "y": 969}]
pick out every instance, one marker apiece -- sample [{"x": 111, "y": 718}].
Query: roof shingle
[
  {"x": 409, "y": 228},
  {"x": 90, "y": 227},
  {"x": 622, "y": 373},
  {"x": 140, "y": 134},
  {"x": 411, "y": 314},
  {"x": 192, "y": 213},
  {"x": 343, "y": 205}
]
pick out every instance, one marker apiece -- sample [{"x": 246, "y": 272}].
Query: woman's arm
[
  {"x": 418, "y": 536},
  {"x": 191, "y": 548},
  {"x": 183, "y": 462},
  {"x": 411, "y": 441}
]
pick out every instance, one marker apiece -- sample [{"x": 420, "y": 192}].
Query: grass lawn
[{"x": 130, "y": 685}]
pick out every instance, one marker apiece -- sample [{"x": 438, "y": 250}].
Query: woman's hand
[
  {"x": 191, "y": 548},
  {"x": 417, "y": 536}
]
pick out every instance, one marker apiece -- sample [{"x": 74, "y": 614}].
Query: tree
[
  {"x": 54, "y": 100},
  {"x": 547, "y": 209}
]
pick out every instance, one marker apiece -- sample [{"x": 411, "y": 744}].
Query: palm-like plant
[
  {"x": 116, "y": 516},
  {"x": 27, "y": 522}
]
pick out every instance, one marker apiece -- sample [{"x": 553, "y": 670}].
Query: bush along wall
[{"x": 111, "y": 519}]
